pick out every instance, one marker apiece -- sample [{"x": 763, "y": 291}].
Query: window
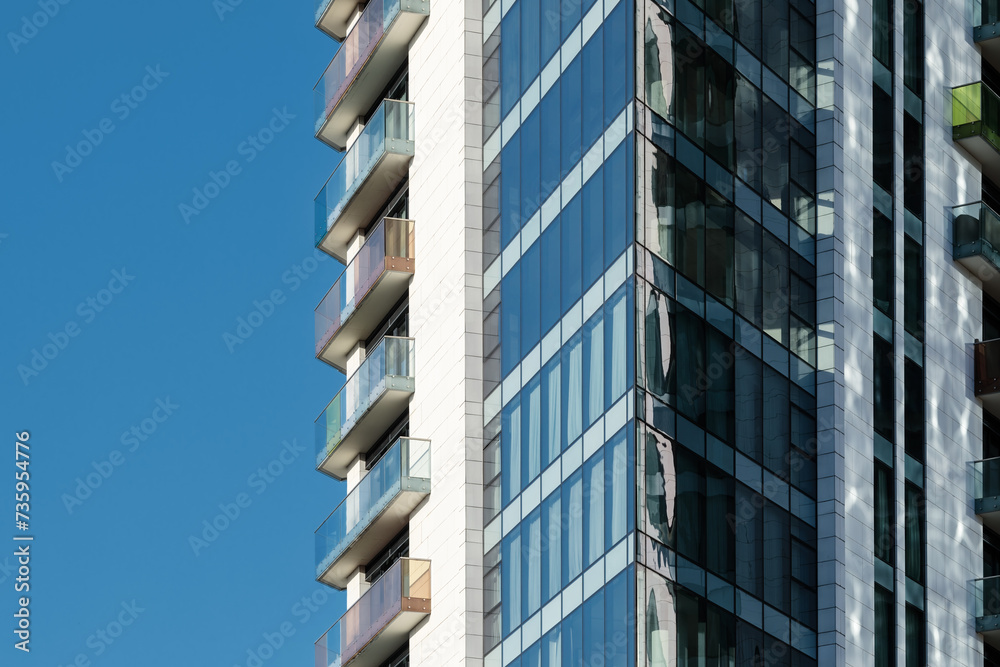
[{"x": 885, "y": 627}]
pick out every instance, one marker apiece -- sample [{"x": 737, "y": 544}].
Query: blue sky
[{"x": 99, "y": 246}]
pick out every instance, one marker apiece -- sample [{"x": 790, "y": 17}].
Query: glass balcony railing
[
  {"x": 388, "y": 368},
  {"x": 388, "y": 249},
  {"x": 389, "y": 131},
  {"x": 987, "y": 486},
  {"x": 986, "y": 27},
  {"x": 397, "y": 601},
  {"x": 352, "y": 55},
  {"x": 975, "y": 112},
  {"x": 405, "y": 469},
  {"x": 373, "y": 51},
  {"x": 987, "y": 604},
  {"x": 977, "y": 233},
  {"x": 987, "y": 367}
]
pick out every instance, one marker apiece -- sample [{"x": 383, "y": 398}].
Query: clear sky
[{"x": 146, "y": 347}]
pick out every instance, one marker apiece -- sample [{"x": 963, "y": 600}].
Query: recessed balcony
[
  {"x": 975, "y": 117},
  {"x": 358, "y": 188},
  {"x": 381, "y": 621},
  {"x": 373, "y": 512},
  {"x": 370, "y": 286},
  {"x": 986, "y": 359},
  {"x": 988, "y": 609},
  {"x": 977, "y": 243},
  {"x": 987, "y": 488},
  {"x": 375, "y": 49},
  {"x": 986, "y": 31},
  {"x": 372, "y": 399}
]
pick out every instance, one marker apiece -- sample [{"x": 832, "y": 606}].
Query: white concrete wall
[
  {"x": 954, "y": 312},
  {"x": 446, "y": 321},
  {"x": 844, "y": 320},
  {"x": 953, "y": 302}
]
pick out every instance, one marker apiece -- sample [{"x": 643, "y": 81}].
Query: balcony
[
  {"x": 987, "y": 374},
  {"x": 334, "y": 17},
  {"x": 374, "y": 397},
  {"x": 373, "y": 512},
  {"x": 977, "y": 244},
  {"x": 975, "y": 118},
  {"x": 371, "y": 170},
  {"x": 381, "y": 621},
  {"x": 986, "y": 31},
  {"x": 987, "y": 488},
  {"x": 371, "y": 284},
  {"x": 988, "y": 609},
  {"x": 375, "y": 49}
]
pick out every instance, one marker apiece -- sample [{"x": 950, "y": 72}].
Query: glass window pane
[
  {"x": 552, "y": 531},
  {"x": 616, "y": 179},
  {"x": 510, "y": 438},
  {"x": 531, "y": 438},
  {"x": 749, "y": 546},
  {"x": 593, "y": 229},
  {"x": 572, "y": 382},
  {"x": 616, "y": 462},
  {"x": 749, "y": 406},
  {"x": 617, "y": 81},
  {"x": 593, "y": 89},
  {"x": 719, "y": 139},
  {"x": 549, "y": 147},
  {"x": 776, "y": 422},
  {"x": 510, "y": 319},
  {"x": 719, "y": 495},
  {"x": 689, "y": 221},
  {"x": 658, "y": 54},
  {"x": 777, "y": 562},
  {"x": 571, "y": 234},
  {"x": 572, "y": 639},
  {"x": 530, "y": 41},
  {"x": 572, "y": 116},
  {"x": 775, "y": 158},
  {"x": 616, "y": 346},
  {"x": 776, "y": 36},
  {"x": 572, "y": 545},
  {"x": 510, "y": 565},
  {"x": 510, "y": 55},
  {"x": 776, "y": 289},
  {"x": 510, "y": 190},
  {"x": 530, "y": 165},
  {"x": 593, "y": 370},
  {"x": 719, "y": 248},
  {"x": 551, "y": 412},
  {"x": 549, "y": 23},
  {"x": 532, "y": 568},
  {"x": 531, "y": 296},
  {"x": 594, "y": 623},
  {"x": 593, "y": 516},
  {"x": 550, "y": 277},
  {"x": 748, "y": 116}
]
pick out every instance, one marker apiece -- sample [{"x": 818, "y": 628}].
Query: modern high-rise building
[{"x": 660, "y": 322}]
